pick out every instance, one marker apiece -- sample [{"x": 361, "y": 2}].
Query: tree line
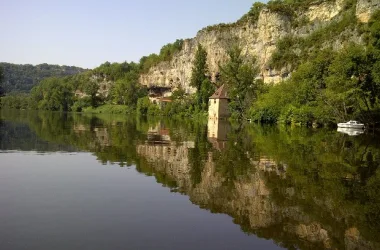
[{"x": 21, "y": 78}]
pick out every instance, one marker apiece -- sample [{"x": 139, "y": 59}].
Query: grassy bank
[{"x": 109, "y": 109}]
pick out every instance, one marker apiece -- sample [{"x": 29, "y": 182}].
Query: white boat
[
  {"x": 351, "y": 131},
  {"x": 351, "y": 124}
]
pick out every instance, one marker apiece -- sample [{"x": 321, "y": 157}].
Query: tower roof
[{"x": 221, "y": 93}]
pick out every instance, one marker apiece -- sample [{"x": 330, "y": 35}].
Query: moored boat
[{"x": 351, "y": 124}]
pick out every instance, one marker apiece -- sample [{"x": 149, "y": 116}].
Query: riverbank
[{"x": 110, "y": 109}]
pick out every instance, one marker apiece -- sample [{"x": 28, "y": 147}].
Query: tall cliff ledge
[{"x": 257, "y": 38}]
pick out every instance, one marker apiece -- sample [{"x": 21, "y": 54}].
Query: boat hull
[{"x": 354, "y": 126}]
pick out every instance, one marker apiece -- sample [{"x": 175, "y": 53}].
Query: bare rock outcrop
[
  {"x": 365, "y": 8},
  {"x": 257, "y": 39}
]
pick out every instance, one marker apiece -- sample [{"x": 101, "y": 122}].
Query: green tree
[
  {"x": 199, "y": 78},
  {"x": 22, "y": 78},
  {"x": 2, "y": 92},
  {"x": 166, "y": 54},
  {"x": 127, "y": 90},
  {"x": 350, "y": 85},
  {"x": 374, "y": 29},
  {"x": 91, "y": 89},
  {"x": 254, "y": 12},
  {"x": 207, "y": 89},
  {"x": 52, "y": 94},
  {"x": 239, "y": 75}
]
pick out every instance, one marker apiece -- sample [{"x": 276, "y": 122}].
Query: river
[{"x": 77, "y": 181}]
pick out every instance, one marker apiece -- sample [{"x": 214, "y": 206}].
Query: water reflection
[
  {"x": 307, "y": 189},
  {"x": 351, "y": 131},
  {"x": 217, "y": 131}
]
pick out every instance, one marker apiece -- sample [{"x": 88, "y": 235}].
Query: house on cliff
[{"x": 218, "y": 104}]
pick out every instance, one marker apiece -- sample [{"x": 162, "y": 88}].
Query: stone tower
[{"x": 218, "y": 104}]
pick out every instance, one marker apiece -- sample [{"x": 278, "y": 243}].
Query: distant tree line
[
  {"x": 23, "y": 77},
  {"x": 66, "y": 88},
  {"x": 2, "y": 91}
]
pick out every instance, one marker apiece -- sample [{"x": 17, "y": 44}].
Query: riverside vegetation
[{"x": 326, "y": 84}]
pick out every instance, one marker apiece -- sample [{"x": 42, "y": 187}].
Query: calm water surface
[{"x": 71, "y": 181}]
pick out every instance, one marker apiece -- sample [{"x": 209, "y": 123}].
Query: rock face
[
  {"x": 104, "y": 86},
  {"x": 365, "y": 8},
  {"x": 256, "y": 39},
  {"x": 324, "y": 11}
]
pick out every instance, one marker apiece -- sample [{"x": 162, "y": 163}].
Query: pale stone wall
[
  {"x": 213, "y": 109},
  {"x": 218, "y": 109}
]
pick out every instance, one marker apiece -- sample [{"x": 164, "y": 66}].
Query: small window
[{"x": 214, "y": 101}]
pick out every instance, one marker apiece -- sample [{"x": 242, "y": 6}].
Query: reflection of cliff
[
  {"x": 172, "y": 156},
  {"x": 100, "y": 135},
  {"x": 248, "y": 198},
  {"x": 158, "y": 134}
]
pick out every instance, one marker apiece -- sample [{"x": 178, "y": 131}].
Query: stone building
[{"x": 218, "y": 104}]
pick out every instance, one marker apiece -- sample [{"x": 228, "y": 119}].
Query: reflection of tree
[
  {"x": 333, "y": 176},
  {"x": 110, "y": 140},
  {"x": 19, "y": 136},
  {"x": 302, "y": 188},
  {"x": 235, "y": 160},
  {"x": 199, "y": 154}
]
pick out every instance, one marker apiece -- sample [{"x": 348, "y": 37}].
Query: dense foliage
[
  {"x": 200, "y": 78},
  {"x": 253, "y": 13},
  {"x": 87, "y": 89},
  {"x": 2, "y": 91},
  {"x": 292, "y": 50},
  {"x": 22, "y": 78},
  {"x": 327, "y": 86},
  {"x": 239, "y": 75},
  {"x": 112, "y": 83},
  {"x": 166, "y": 54}
]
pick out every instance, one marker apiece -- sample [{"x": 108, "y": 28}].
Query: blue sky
[{"x": 87, "y": 33}]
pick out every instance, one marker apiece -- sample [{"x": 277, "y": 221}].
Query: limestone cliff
[
  {"x": 103, "y": 84},
  {"x": 258, "y": 39},
  {"x": 364, "y": 9}
]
